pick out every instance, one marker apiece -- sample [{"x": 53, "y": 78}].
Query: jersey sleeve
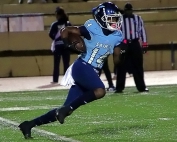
[{"x": 90, "y": 25}]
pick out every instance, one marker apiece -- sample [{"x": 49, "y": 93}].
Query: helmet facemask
[
  {"x": 113, "y": 21},
  {"x": 108, "y": 16}
]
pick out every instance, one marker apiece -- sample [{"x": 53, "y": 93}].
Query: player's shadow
[
  {"x": 48, "y": 86},
  {"x": 111, "y": 130}
]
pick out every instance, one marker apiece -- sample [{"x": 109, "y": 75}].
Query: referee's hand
[{"x": 144, "y": 47}]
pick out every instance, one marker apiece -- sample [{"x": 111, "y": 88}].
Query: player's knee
[{"x": 99, "y": 93}]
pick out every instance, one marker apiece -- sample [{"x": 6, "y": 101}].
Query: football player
[{"x": 102, "y": 37}]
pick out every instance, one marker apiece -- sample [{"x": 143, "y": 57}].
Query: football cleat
[
  {"x": 146, "y": 90},
  {"x": 111, "y": 89},
  {"x": 25, "y": 128}
]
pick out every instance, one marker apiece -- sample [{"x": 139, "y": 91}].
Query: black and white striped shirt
[{"x": 133, "y": 28}]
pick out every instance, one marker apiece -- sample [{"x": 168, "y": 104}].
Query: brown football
[{"x": 76, "y": 38}]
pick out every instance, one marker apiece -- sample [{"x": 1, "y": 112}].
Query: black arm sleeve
[{"x": 84, "y": 32}]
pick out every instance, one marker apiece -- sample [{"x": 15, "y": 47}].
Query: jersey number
[{"x": 100, "y": 60}]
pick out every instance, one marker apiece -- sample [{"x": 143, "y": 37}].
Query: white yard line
[
  {"x": 44, "y": 133},
  {"x": 28, "y": 98},
  {"x": 28, "y": 108}
]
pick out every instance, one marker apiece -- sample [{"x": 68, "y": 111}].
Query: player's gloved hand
[
  {"x": 144, "y": 47},
  {"x": 68, "y": 44}
]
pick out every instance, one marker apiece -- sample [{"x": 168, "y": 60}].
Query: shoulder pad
[{"x": 91, "y": 25}]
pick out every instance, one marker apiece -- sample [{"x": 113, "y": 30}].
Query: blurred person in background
[
  {"x": 132, "y": 56},
  {"x": 58, "y": 47}
]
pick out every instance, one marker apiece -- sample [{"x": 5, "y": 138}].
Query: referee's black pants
[
  {"x": 60, "y": 50},
  {"x": 134, "y": 57},
  {"x": 107, "y": 72}
]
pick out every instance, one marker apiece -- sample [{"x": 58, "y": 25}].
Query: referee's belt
[{"x": 126, "y": 41}]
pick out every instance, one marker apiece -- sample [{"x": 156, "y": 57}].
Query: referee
[{"x": 135, "y": 46}]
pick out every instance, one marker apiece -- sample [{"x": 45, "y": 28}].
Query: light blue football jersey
[{"x": 100, "y": 46}]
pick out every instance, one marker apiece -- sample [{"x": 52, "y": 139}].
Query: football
[{"x": 80, "y": 46}]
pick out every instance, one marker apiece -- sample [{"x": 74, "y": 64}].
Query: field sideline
[
  {"x": 134, "y": 117},
  {"x": 43, "y": 83}
]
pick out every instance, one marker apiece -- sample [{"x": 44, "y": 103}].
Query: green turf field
[{"x": 127, "y": 117}]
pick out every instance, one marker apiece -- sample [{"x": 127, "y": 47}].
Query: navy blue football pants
[{"x": 85, "y": 76}]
